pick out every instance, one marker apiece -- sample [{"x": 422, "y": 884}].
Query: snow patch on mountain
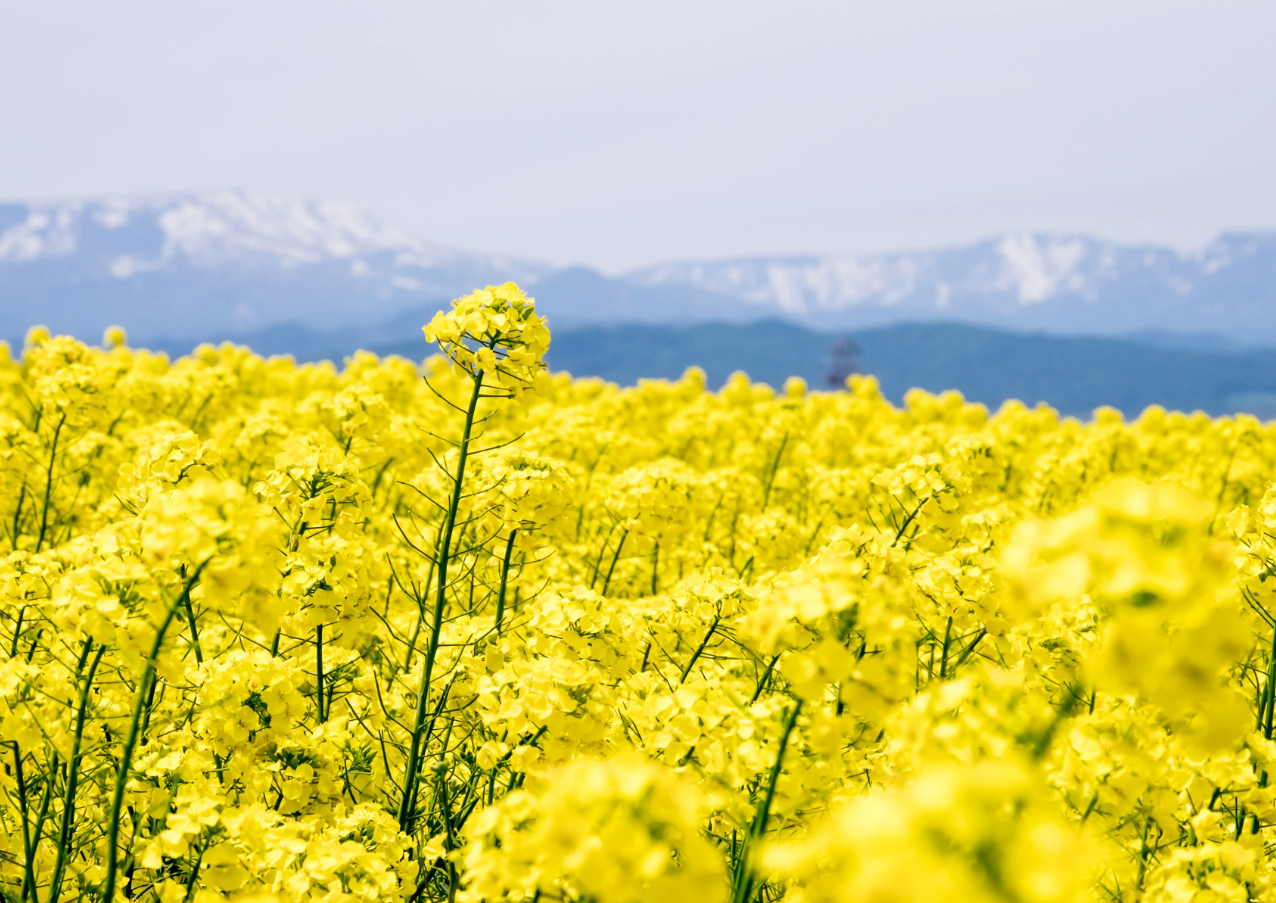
[
  {"x": 1038, "y": 270},
  {"x": 231, "y": 224},
  {"x": 220, "y": 227},
  {"x": 1054, "y": 283},
  {"x": 207, "y": 263}
]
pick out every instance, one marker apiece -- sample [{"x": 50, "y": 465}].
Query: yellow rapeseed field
[{"x": 471, "y": 631}]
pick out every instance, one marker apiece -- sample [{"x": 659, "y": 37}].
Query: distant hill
[
  {"x": 1074, "y": 375},
  {"x": 233, "y": 263}
]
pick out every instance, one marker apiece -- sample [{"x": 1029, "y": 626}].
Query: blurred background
[{"x": 1069, "y": 202}]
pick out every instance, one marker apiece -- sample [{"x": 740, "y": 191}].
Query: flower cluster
[
  {"x": 621, "y": 830},
  {"x": 494, "y": 331}
]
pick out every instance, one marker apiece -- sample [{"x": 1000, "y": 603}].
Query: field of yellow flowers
[{"x": 471, "y": 631}]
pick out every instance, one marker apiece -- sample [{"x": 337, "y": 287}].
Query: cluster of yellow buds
[{"x": 494, "y": 332}]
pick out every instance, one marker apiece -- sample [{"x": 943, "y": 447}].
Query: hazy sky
[{"x": 617, "y": 134}]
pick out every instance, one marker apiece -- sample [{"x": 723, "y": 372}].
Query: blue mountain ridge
[{"x": 215, "y": 265}]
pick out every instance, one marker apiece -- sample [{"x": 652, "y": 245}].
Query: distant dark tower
[{"x": 844, "y": 359}]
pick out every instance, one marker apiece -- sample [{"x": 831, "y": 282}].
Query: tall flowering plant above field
[
  {"x": 495, "y": 336},
  {"x": 495, "y": 341}
]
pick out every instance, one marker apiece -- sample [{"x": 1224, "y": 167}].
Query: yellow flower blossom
[{"x": 462, "y": 629}]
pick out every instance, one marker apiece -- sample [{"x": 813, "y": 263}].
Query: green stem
[
  {"x": 28, "y": 867},
  {"x": 42, "y": 817},
  {"x": 48, "y": 484},
  {"x": 908, "y": 520},
  {"x": 418, "y": 597},
  {"x": 766, "y": 676},
  {"x": 17, "y": 631},
  {"x": 505, "y": 576},
  {"x": 130, "y": 744},
  {"x": 699, "y": 650},
  {"x": 611, "y": 570},
  {"x": 445, "y": 809},
  {"x": 1144, "y": 850},
  {"x": 319, "y": 672},
  {"x": 1271, "y": 688},
  {"x": 193, "y": 876},
  {"x": 410, "y": 776},
  {"x": 190, "y": 619},
  {"x": 965, "y": 653},
  {"x": 72, "y": 778},
  {"x": 598, "y": 562},
  {"x": 744, "y": 871},
  {"x": 943, "y": 657}
]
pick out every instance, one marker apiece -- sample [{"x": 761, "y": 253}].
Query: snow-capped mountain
[
  {"x": 207, "y": 265},
  {"x": 236, "y": 264},
  {"x": 1065, "y": 284}
]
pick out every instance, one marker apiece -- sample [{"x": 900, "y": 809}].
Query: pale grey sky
[{"x": 618, "y": 134}]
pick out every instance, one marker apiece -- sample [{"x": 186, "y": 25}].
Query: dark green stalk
[
  {"x": 744, "y": 876},
  {"x": 699, "y": 650},
  {"x": 446, "y": 810},
  {"x": 130, "y": 743},
  {"x": 909, "y": 520},
  {"x": 965, "y": 653},
  {"x": 48, "y": 484},
  {"x": 611, "y": 570},
  {"x": 28, "y": 868},
  {"x": 1263, "y": 689},
  {"x": 147, "y": 710},
  {"x": 72, "y": 778},
  {"x": 17, "y": 632},
  {"x": 1271, "y": 688},
  {"x": 319, "y": 672},
  {"x": 410, "y": 776},
  {"x": 505, "y": 577},
  {"x": 598, "y": 562},
  {"x": 418, "y": 596},
  {"x": 190, "y": 619},
  {"x": 1144, "y": 851},
  {"x": 193, "y": 876},
  {"x": 766, "y": 676},
  {"x": 943, "y": 657},
  {"x": 43, "y": 816}
]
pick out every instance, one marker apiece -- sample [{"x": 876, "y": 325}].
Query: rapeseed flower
[{"x": 462, "y": 629}]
